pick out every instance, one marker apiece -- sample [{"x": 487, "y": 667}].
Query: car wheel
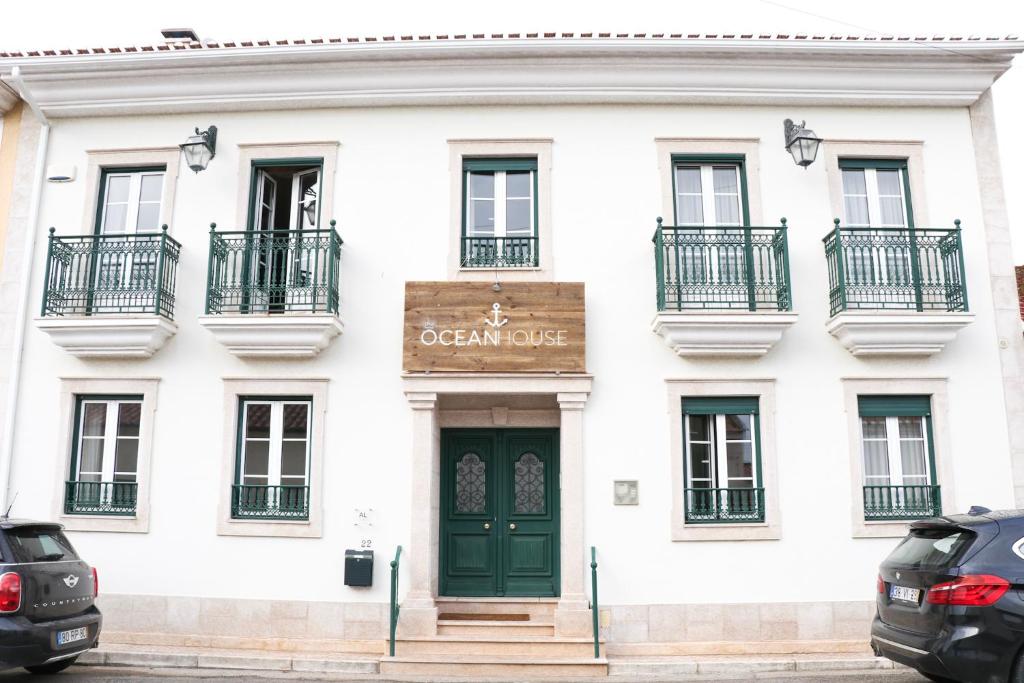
[
  {"x": 1017, "y": 675},
  {"x": 53, "y": 668}
]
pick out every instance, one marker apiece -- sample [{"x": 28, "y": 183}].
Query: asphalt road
[{"x": 95, "y": 674}]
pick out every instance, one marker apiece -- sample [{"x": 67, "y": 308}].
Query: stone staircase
[{"x": 495, "y": 637}]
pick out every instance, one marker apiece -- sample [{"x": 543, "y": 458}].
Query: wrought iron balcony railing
[
  {"x": 908, "y": 269},
  {"x": 273, "y": 271},
  {"x": 269, "y": 502},
  {"x": 902, "y": 502},
  {"x": 722, "y": 268},
  {"x": 500, "y": 252},
  {"x": 110, "y": 274},
  {"x": 100, "y": 497},
  {"x": 705, "y": 506}
]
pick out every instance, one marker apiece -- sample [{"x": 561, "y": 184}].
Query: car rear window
[
  {"x": 931, "y": 548},
  {"x": 39, "y": 544}
]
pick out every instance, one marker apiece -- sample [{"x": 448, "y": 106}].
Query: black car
[
  {"x": 951, "y": 598},
  {"x": 47, "y": 593}
]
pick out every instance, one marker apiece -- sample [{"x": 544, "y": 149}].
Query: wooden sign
[{"x": 468, "y": 327}]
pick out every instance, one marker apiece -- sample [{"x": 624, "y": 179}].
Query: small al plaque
[{"x": 627, "y": 492}]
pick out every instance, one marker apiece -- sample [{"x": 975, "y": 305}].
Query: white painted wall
[{"x": 392, "y": 206}]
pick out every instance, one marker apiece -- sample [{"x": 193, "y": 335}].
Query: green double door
[{"x": 499, "y": 512}]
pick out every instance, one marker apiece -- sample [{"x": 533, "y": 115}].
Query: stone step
[
  {"x": 507, "y": 646},
  {"x": 495, "y": 628},
  {"x": 477, "y": 666},
  {"x": 535, "y": 607}
]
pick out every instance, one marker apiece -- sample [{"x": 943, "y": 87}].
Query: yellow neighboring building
[{"x": 10, "y": 125}]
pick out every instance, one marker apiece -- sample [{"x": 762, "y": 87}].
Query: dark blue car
[
  {"x": 47, "y": 593},
  {"x": 951, "y": 598}
]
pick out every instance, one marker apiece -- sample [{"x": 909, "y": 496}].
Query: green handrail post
[
  {"x": 659, "y": 264},
  {"x": 209, "y": 268},
  {"x": 787, "y": 283},
  {"x": 394, "y": 598},
  {"x": 329, "y": 264},
  {"x": 963, "y": 272},
  {"x": 593, "y": 601},
  {"x": 160, "y": 269},
  {"x": 915, "y": 269},
  {"x": 49, "y": 260},
  {"x": 748, "y": 270},
  {"x": 840, "y": 277}
]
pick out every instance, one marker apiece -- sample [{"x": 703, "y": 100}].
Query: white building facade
[{"x": 217, "y": 414}]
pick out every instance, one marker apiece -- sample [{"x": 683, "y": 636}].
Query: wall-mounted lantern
[
  {"x": 200, "y": 148},
  {"x": 801, "y": 142}
]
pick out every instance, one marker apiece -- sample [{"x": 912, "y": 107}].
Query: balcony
[
  {"x": 896, "y": 291},
  {"x": 110, "y": 295},
  {"x": 269, "y": 502},
  {"x": 722, "y": 291},
  {"x": 499, "y": 252},
  {"x": 273, "y": 293},
  {"x": 895, "y": 503},
  {"x": 100, "y": 498},
  {"x": 712, "y": 506}
]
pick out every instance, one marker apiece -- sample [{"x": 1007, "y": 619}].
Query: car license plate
[
  {"x": 904, "y": 594},
  {"x": 72, "y": 636}
]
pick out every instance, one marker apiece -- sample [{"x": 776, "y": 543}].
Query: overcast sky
[{"x": 74, "y": 23}]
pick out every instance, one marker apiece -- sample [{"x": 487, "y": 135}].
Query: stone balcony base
[
  {"x": 274, "y": 336},
  {"x": 722, "y": 333},
  {"x": 896, "y": 333},
  {"x": 109, "y": 337}
]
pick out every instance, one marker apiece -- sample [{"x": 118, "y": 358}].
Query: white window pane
[
  {"x": 293, "y": 459},
  {"x": 888, "y": 182},
  {"x": 149, "y": 218},
  {"x": 876, "y": 462},
  {"x": 295, "y": 421},
  {"x": 257, "y": 458},
  {"x": 856, "y": 210},
  {"x": 726, "y": 181},
  {"x": 255, "y": 480},
  {"x": 740, "y": 460},
  {"x": 688, "y": 180},
  {"x": 117, "y": 189},
  {"x": 854, "y": 182},
  {"x": 727, "y": 209},
  {"x": 517, "y": 184},
  {"x": 700, "y": 461},
  {"x": 481, "y": 185},
  {"x": 482, "y": 217},
  {"x": 915, "y": 465},
  {"x": 737, "y": 427},
  {"x": 873, "y": 427},
  {"x": 691, "y": 210},
  {"x": 700, "y": 427},
  {"x": 517, "y": 215},
  {"x": 126, "y": 457},
  {"x": 91, "y": 459},
  {"x": 911, "y": 427},
  {"x": 892, "y": 210},
  {"x": 129, "y": 416},
  {"x": 151, "y": 188},
  {"x": 116, "y": 218},
  {"x": 94, "y": 422},
  {"x": 257, "y": 421}
]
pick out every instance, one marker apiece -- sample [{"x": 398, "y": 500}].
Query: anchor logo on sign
[{"x": 498, "y": 321}]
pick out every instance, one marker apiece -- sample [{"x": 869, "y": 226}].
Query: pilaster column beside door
[{"x": 572, "y": 616}]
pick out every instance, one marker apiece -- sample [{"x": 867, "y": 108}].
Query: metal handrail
[
  {"x": 593, "y": 601},
  {"x": 909, "y": 501},
  {"x": 394, "y": 601}
]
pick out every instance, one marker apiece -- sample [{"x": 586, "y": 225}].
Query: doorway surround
[{"x": 425, "y": 391}]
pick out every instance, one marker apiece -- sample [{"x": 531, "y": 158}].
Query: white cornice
[
  {"x": 8, "y": 98},
  {"x": 515, "y": 72}
]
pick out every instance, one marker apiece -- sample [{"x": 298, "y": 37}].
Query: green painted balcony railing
[
  {"x": 722, "y": 268},
  {"x": 110, "y": 274},
  {"x": 269, "y": 502},
  {"x": 500, "y": 252},
  {"x": 100, "y": 497},
  {"x": 724, "y": 505},
  {"x": 902, "y": 502},
  {"x": 908, "y": 269},
  {"x": 273, "y": 271}
]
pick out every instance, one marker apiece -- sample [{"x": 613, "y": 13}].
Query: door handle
[
  {"x": 512, "y": 526},
  {"x": 487, "y": 525}
]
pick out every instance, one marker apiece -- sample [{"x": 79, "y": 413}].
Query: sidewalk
[{"x": 334, "y": 666}]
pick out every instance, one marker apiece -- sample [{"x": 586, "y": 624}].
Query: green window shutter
[
  {"x": 721, "y": 405},
  {"x": 500, "y": 164},
  {"x": 873, "y": 163},
  {"x": 894, "y": 406}
]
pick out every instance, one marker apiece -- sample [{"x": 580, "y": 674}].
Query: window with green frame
[
  {"x": 710, "y": 190},
  {"x": 103, "y": 478},
  {"x": 876, "y": 193},
  {"x": 499, "y": 213},
  {"x": 722, "y": 460},
  {"x": 899, "y": 457},
  {"x": 272, "y": 460}
]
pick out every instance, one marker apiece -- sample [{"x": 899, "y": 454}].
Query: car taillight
[
  {"x": 95, "y": 583},
  {"x": 880, "y": 585},
  {"x": 10, "y": 593},
  {"x": 976, "y": 590}
]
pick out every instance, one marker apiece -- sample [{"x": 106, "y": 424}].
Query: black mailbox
[{"x": 358, "y": 567}]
